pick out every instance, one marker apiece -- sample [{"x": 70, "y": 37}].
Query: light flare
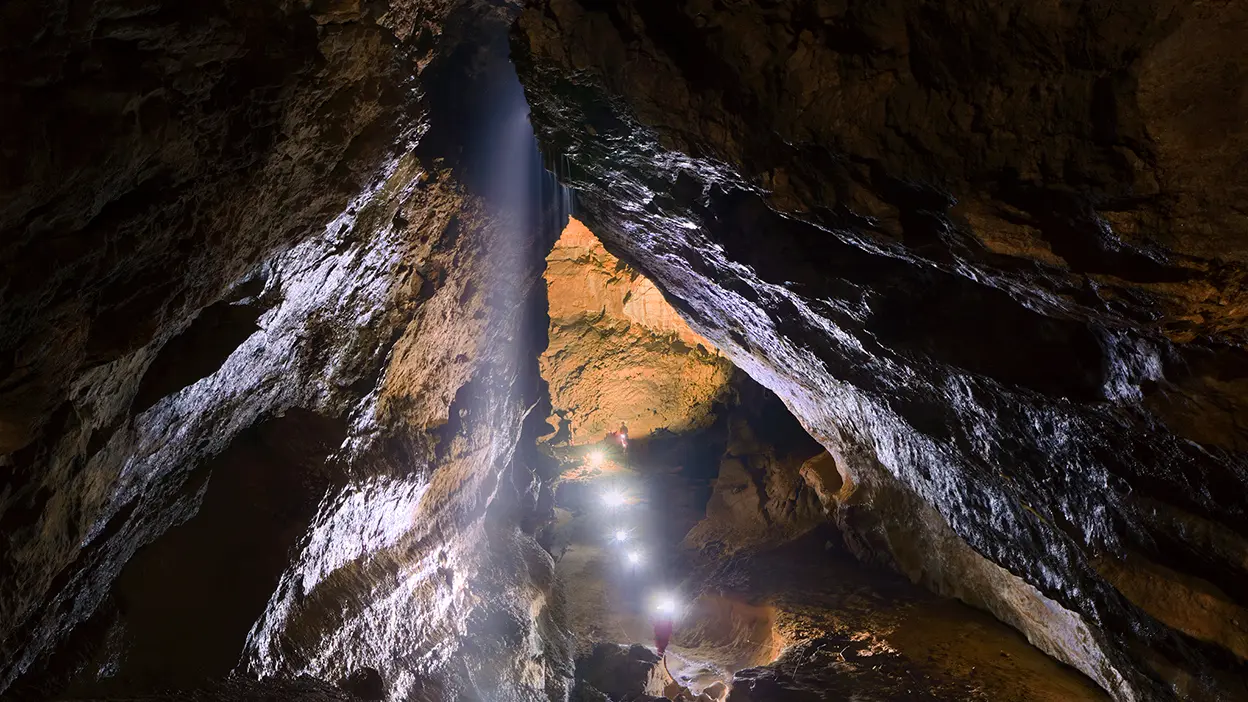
[
  {"x": 666, "y": 604},
  {"x": 614, "y": 498}
]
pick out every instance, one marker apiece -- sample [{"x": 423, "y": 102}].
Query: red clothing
[{"x": 662, "y": 634}]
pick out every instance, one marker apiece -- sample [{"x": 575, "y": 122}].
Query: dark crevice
[
  {"x": 188, "y": 600},
  {"x": 198, "y": 352},
  {"x": 1082, "y": 239}
]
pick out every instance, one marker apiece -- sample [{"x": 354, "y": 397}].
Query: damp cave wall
[
  {"x": 990, "y": 256},
  {"x": 823, "y": 188},
  {"x": 250, "y": 304}
]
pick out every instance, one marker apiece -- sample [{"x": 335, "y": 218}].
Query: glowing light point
[
  {"x": 665, "y": 604},
  {"x": 633, "y": 558},
  {"x": 621, "y": 535},
  {"x": 614, "y": 498},
  {"x": 595, "y": 458}
]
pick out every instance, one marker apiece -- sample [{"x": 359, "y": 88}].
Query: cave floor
[{"x": 825, "y": 620}]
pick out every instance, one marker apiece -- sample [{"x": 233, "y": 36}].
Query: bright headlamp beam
[{"x": 665, "y": 604}]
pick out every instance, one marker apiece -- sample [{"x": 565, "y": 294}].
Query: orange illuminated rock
[{"x": 618, "y": 352}]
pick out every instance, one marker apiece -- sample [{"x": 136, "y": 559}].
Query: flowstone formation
[
  {"x": 991, "y": 256},
  {"x": 618, "y": 353}
]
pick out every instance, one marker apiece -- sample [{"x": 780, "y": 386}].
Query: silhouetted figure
[
  {"x": 619, "y": 436},
  {"x": 662, "y": 632}
]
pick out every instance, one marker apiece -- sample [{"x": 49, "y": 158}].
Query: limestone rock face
[
  {"x": 584, "y": 281},
  {"x": 618, "y": 353},
  {"x": 989, "y": 254},
  {"x": 261, "y": 388},
  {"x": 271, "y": 309},
  {"x": 620, "y": 672},
  {"x": 760, "y": 497}
]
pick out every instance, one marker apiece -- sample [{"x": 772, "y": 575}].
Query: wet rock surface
[
  {"x": 982, "y": 253},
  {"x": 271, "y": 309},
  {"x": 159, "y": 218},
  {"x": 260, "y": 387}
]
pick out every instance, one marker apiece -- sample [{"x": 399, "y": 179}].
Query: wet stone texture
[
  {"x": 991, "y": 256},
  {"x": 772, "y": 599},
  {"x": 271, "y": 309},
  {"x": 261, "y": 387}
]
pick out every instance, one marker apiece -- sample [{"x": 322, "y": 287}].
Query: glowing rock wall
[{"x": 618, "y": 352}]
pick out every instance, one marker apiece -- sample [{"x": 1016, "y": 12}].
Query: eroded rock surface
[
  {"x": 620, "y": 672},
  {"x": 271, "y": 304},
  {"x": 760, "y": 496},
  {"x": 268, "y": 349},
  {"x": 988, "y": 254},
  {"x": 618, "y": 353}
]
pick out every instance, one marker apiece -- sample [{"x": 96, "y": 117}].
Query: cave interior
[{"x": 455, "y": 350}]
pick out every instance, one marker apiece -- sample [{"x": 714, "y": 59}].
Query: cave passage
[
  {"x": 455, "y": 350},
  {"x": 688, "y": 493}
]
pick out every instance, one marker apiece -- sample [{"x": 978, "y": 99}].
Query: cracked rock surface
[
  {"x": 618, "y": 354},
  {"x": 989, "y": 254},
  {"x": 261, "y": 388},
  {"x": 272, "y": 316}
]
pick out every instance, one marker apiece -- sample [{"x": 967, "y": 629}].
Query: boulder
[{"x": 621, "y": 672}]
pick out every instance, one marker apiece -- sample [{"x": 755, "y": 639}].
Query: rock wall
[
  {"x": 761, "y": 497},
  {"x": 261, "y": 385},
  {"x": 989, "y": 254},
  {"x": 618, "y": 352},
  {"x": 264, "y": 266}
]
